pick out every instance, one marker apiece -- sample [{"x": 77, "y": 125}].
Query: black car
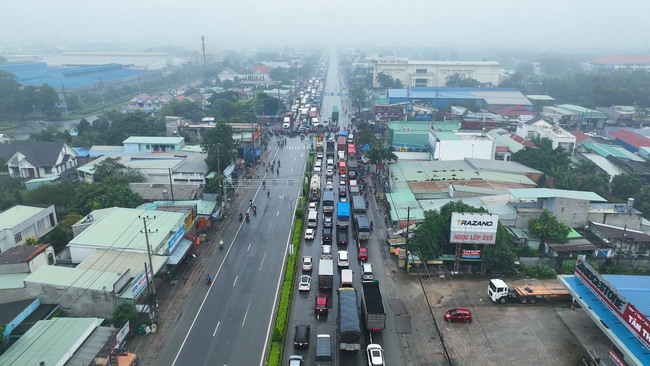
[
  {"x": 301, "y": 336},
  {"x": 327, "y": 234},
  {"x": 342, "y": 192},
  {"x": 341, "y": 237}
]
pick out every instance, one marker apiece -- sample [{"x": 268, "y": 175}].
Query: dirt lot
[{"x": 509, "y": 334}]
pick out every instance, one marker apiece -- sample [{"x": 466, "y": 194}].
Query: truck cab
[{"x": 498, "y": 291}]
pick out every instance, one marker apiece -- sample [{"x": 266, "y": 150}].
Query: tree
[
  {"x": 379, "y": 154},
  {"x": 625, "y": 186},
  {"x": 89, "y": 197},
  {"x": 543, "y": 157},
  {"x": 220, "y": 146},
  {"x": 458, "y": 80},
  {"x": 112, "y": 170},
  {"x": 501, "y": 255},
  {"x": 642, "y": 201},
  {"x": 548, "y": 227},
  {"x": 359, "y": 98},
  {"x": 386, "y": 81},
  {"x": 189, "y": 110},
  {"x": 123, "y": 313}
]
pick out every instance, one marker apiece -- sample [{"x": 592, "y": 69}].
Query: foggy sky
[{"x": 550, "y": 24}]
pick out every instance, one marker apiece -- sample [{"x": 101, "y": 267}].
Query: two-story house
[
  {"x": 37, "y": 159},
  {"x": 538, "y": 127}
]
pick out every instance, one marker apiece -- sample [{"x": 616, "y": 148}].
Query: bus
[
  {"x": 343, "y": 169},
  {"x": 352, "y": 151}
]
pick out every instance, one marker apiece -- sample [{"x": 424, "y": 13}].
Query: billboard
[
  {"x": 471, "y": 254},
  {"x": 627, "y": 313},
  {"x": 473, "y": 228}
]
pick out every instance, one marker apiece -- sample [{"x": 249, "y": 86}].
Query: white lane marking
[
  {"x": 249, "y": 247},
  {"x": 215, "y": 329},
  {"x": 234, "y": 283},
  {"x": 277, "y": 214},
  {"x": 246, "y": 314},
  {"x": 261, "y": 263},
  {"x": 291, "y": 170}
]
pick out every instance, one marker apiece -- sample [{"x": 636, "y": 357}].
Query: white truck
[{"x": 499, "y": 292}]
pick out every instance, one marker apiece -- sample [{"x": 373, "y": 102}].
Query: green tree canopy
[
  {"x": 112, "y": 170},
  {"x": 220, "y": 146},
  {"x": 548, "y": 227},
  {"x": 378, "y": 154},
  {"x": 189, "y": 110},
  {"x": 501, "y": 255},
  {"x": 386, "y": 81},
  {"x": 625, "y": 186}
]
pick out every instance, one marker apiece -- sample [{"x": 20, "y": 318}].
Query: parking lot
[{"x": 510, "y": 334}]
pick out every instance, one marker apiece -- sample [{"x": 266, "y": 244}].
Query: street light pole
[
  {"x": 152, "y": 299},
  {"x": 408, "y": 222}
]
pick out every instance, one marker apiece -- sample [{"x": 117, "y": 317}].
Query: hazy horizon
[{"x": 506, "y": 24}]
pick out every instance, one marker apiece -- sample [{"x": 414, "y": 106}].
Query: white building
[
  {"x": 148, "y": 144},
  {"x": 434, "y": 73},
  {"x": 37, "y": 159},
  {"x": 21, "y": 222},
  {"x": 460, "y": 145},
  {"x": 540, "y": 128}
]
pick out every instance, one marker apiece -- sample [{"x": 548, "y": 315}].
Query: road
[
  {"x": 228, "y": 322},
  {"x": 302, "y": 308},
  {"x": 26, "y": 128}
]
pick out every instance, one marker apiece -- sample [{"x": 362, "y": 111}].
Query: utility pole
[
  {"x": 153, "y": 301},
  {"x": 408, "y": 222},
  {"x": 171, "y": 184},
  {"x": 220, "y": 182}
]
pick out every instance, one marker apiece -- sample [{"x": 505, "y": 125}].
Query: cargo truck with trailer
[
  {"x": 372, "y": 307},
  {"x": 500, "y": 292},
  {"x": 349, "y": 323}
]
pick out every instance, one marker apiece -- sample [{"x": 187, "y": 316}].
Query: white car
[
  {"x": 310, "y": 234},
  {"x": 307, "y": 263},
  {"x": 313, "y": 206},
  {"x": 327, "y": 221},
  {"x": 319, "y": 155},
  {"x": 343, "y": 259},
  {"x": 329, "y": 173},
  {"x": 375, "y": 355},
  {"x": 329, "y": 186},
  {"x": 305, "y": 283},
  {"x": 317, "y": 169}
]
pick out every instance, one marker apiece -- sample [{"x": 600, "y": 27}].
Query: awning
[
  {"x": 216, "y": 214},
  {"x": 258, "y": 152},
  {"x": 179, "y": 252}
]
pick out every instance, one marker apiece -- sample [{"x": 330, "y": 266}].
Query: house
[
  {"x": 460, "y": 145},
  {"x": 21, "y": 222},
  {"x": 37, "y": 159},
  {"x": 26, "y": 258},
  {"x": 149, "y": 104},
  {"x": 538, "y": 127},
  {"x": 228, "y": 75},
  {"x": 630, "y": 140},
  {"x": 147, "y": 144}
]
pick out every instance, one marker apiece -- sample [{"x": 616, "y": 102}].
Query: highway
[{"x": 228, "y": 322}]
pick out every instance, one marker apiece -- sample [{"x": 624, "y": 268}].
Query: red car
[
  {"x": 462, "y": 315},
  {"x": 321, "y": 304},
  {"x": 363, "y": 254}
]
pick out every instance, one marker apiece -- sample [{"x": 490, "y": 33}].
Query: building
[
  {"x": 409, "y": 139},
  {"x": 434, "y": 73},
  {"x": 477, "y": 98},
  {"x": 574, "y": 117},
  {"x": 20, "y": 316},
  {"x": 460, "y": 145},
  {"x": 26, "y": 258},
  {"x": 137, "y": 60},
  {"x": 540, "y": 128},
  {"x": 619, "y": 62},
  {"x": 148, "y": 144},
  {"x": 149, "y": 104},
  {"x": 507, "y": 143},
  {"x": 19, "y": 223},
  {"x": 36, "y": 159},
  {"x": 630, "y": 140}
]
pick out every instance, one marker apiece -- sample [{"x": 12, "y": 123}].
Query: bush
[
  {"x": 540, "y": 271},
  {"x": 274, "y": 355},
  {"x": 299, "y": 213},
  {"x": 526, "y": 251},
  {"x": 569, "y": 266}
]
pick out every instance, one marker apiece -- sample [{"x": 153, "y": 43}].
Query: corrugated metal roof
[
  {"x": 74, "y": 277},
  {"x": 119, "y": 261},
  {"x": 606, "y": 150},
  {"x": 52, "y": 342},
  {"x": 636, "y": 290},
  {"x": 17, "y": 215},
  {"x": 604, "y": 164},
  {"x": 153, "y": 140},
  {"x": 631, "y": 138},
  {"x": 523, "y": 193}
]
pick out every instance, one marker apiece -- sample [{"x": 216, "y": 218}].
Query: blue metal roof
[
  {"x": 604, "y": 317},
  {"x": 636, "y": 290}
]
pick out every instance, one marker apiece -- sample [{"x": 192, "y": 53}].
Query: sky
[{"x": 247, "y": 24}]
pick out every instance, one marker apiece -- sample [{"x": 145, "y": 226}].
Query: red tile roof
[
  {"x": 522, "y": 140},
  {"x": 515, "y": 110},
  {"x": 260, "y": 69},
  {"x": 631, "y": 138},
  {"x": 580, "y": 136}
]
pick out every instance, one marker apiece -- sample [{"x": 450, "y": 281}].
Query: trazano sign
[
  {"x": 473, "y": 228},
  {"x": 634, "y": 320}
]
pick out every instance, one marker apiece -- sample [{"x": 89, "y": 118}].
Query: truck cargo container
[
  {"x": 343, "y": 214},
  {"x": 328, "y": 203},
  {"x": 323, "y": 350},
  {"x": 349, "y": 324},
  {"x": 372, "y": 306},
  {"x": 325, "y": 274}
]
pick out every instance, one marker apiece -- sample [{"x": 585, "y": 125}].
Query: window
[
  {"x": 420, "y": 71},
  {"x": 52, "y": 221},
  {"x": 47, "y": 170},
  {"x": 420, "y": 82},
  {"x": 40, "y": 226},
  {"x": 18, "y": 238}
]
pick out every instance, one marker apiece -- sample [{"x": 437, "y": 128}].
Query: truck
[
  {"x": 323, "y": 350},
  {"x": 363, "y": 227},
  {"x": 330, "y": 147},
  {"x": 319, "y": 146},
  {"x": 313, "y": 112},
  {"x": 349, "y": 323},
  {"x": 335, "y": 114},
  {"x": 328, "y": 203},
  {"x": 358, "y": 205},
  {"x": 499, "y": 292},
  {"x": 372, "y": 306},
  {"x": 325, "y": 274},
  {"x": 314, "y": 188},
  {"x": 341, "y": 144},
  {"x": 343, "y": 214},
  {"x": 353, "y": 164}
]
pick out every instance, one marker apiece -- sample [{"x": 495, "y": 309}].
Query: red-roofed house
[
  {"x": 513, "y": 111},
  {"x": 630, "y": 140},
  {"x": 620, "y": 62},
  {"x": 580, "y": 136},
  {"x": 260, "y": 69},
  {"x": 26, "y": 258}
]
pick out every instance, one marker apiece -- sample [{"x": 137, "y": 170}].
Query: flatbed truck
[{"x": 499, "y": 292}]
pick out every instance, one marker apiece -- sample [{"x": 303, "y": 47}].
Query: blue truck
[{"x": 343, "y": 214}]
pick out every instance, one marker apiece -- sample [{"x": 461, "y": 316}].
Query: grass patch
[{"x": 4, "y": 127}]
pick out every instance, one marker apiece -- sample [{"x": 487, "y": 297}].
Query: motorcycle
[
  {"x": 255, "y": 210},
  {"x": 220, "y": 244},
  {"x": 208, "y": 281},
  {"x": 248, "y": 217},
  {"x": 241, "y": 217}
]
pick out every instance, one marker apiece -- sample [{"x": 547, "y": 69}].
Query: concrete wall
[
  {"x": 569, "y": 211},
  {"x": 13, "y": 294},
  {"x": 75, "y": 301},
  {"x": 14, "y": 268},
  {"x": 555, "y": 263},
  {"x": 633, "y": 221}
]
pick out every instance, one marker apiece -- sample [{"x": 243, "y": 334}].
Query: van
[
  {"x": 325, "y": 251},
  {"x": 366, "y": 273},
  {"x": 312, "y": 218},
  {"x": 346, "y": 278}
]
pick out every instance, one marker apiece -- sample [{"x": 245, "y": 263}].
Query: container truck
[
  {"x": 323, "y": 350},
  {"x": 325, "y": 274},
  {"x": 353, "y": 164},
  {"x": 349, "y": 324},
  {"x": 372, "y": 306},
  {"x": 358, "y": 205},
  {"x": 341, "y": 143},
  {"x": 335, "y": 114},
  {"x": 328, "y": 203},
  {"x": 363, "y": 227},
  {"x": 330, "y": 147},
  {"x": 314, "y": 188},
  {"x": 343, "y": 214},
  {"x": 499, "y": 292}
]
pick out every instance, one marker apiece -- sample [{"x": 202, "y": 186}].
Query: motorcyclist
[
  {"x": 250, "y": 203},
  {"x": 221, "y": 242},
  {"x": 248, "y": 215},
  {"x": 241, "y": 216},
  {"x": 372, "y": 226},
  {"x": 264, "y": 181},
  {"x": 255, "y": 208},
  {"x": 208, "y": 279},
  {"x": 268, "y": 193},
  {"x": 278, "y": 170}
]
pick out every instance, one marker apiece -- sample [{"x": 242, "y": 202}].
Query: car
[
  {"x": 327, "y": 234},
  {"x": 310, "y": 234},
  {"x": 326, "y": 251},
  {"x": 329, "y": 173},
  {"x": 363, "y": 254},
  {"x": 327, "y": 221},
  {"x": 462, "y": 315},
  {"x": 305, "y": 283},
  {"x": 317, "y": 169},
  {"x": 343, "y": 177},
  {"x": 342, "y": 192},
  {"x": 342, "y": 186},
  {"x": 330, "y": 162},
  {"x": 329, "y": 186},
  {"x": 341, "y": 237},
  {"x": 301, "y": 335},
  {"x": 295, "y": 360},
  {"x": 307, "y": 263},
  {"x": 313, "y": 206},
  {"x": 353, "y": 175},
  {"x": 375, "y": 355},
  {"x": 319, "y": 155},
  {"x": 343, "y": 259},
  {"x": 321, "y": 304},
  {"x": 365, "y": 160}
]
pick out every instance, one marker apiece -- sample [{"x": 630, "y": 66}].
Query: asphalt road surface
[{"x": 228, "y": 322}]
